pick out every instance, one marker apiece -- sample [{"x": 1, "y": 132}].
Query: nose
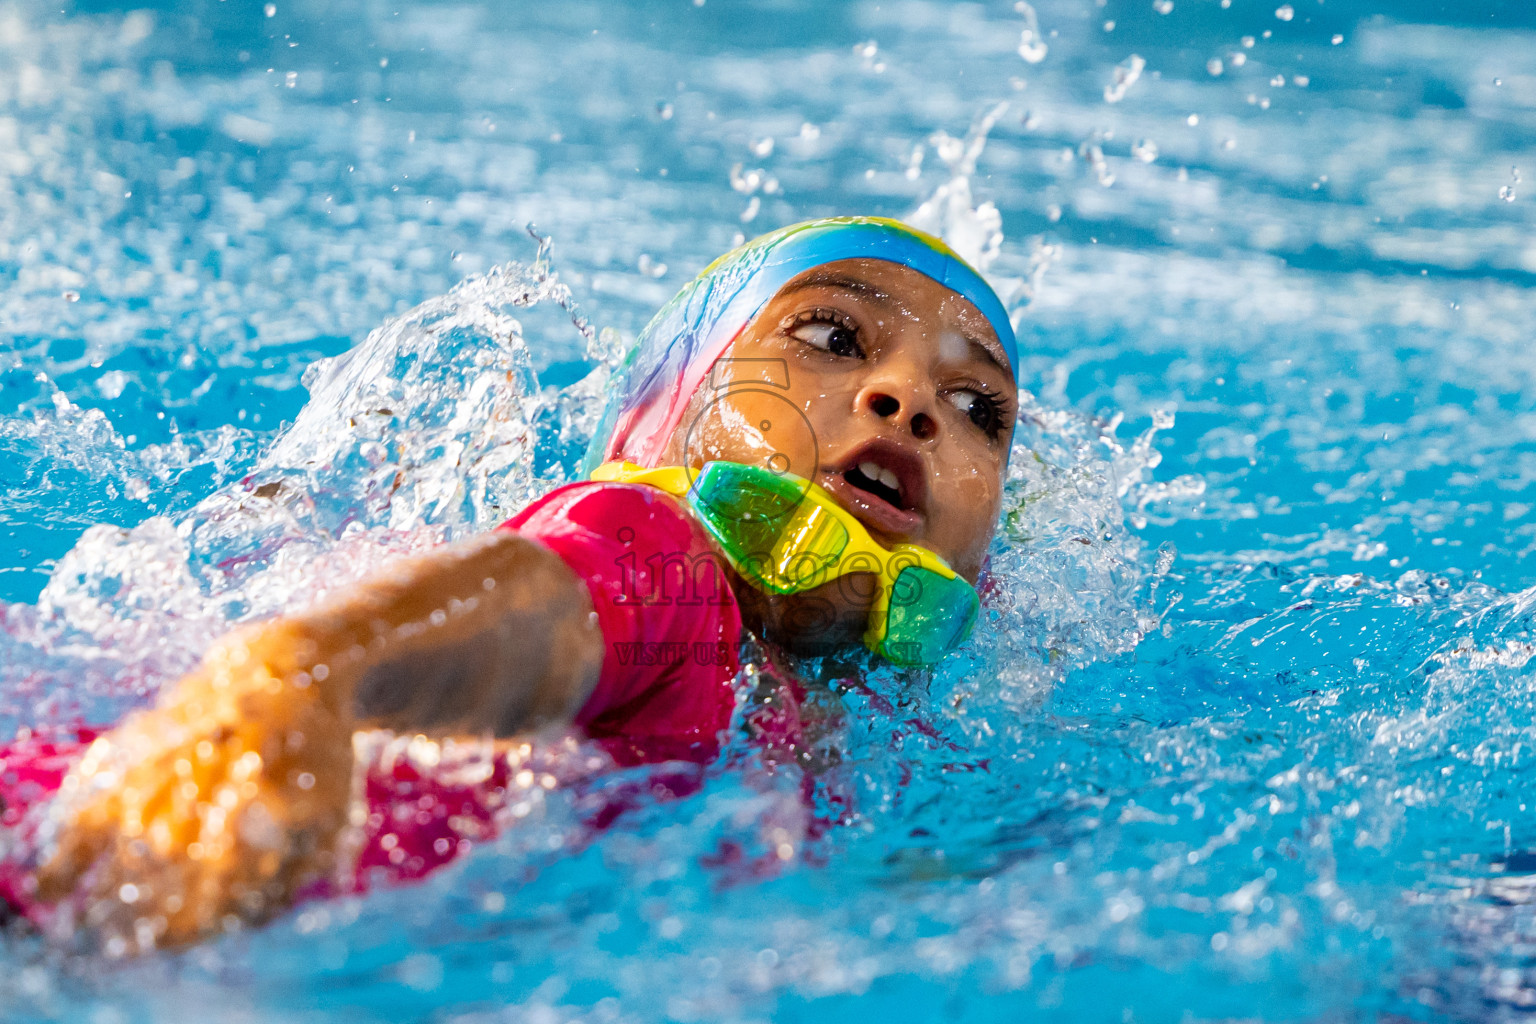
[{"x": 901, "y": 407}]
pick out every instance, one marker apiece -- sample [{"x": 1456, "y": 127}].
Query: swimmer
[{"x": 807, "y": 446}]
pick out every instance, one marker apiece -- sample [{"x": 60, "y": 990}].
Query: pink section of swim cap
[{"x": 643, "y": 433}]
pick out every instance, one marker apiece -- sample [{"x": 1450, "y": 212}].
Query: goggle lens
[
  {"x": 929, "y": 615},
  {"x": 775, "y": 538}
]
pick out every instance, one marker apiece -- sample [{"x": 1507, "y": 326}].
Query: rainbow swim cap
[{"x": 680, "y": 345}]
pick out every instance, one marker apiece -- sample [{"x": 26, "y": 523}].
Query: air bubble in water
[
  {"x": 1144, "y": 150},
  {"x": 270, "y": 10},
  {"x": 1125, "y": 76},
  {"x": 762, "y": 147},
  {"x": 1214, "y": 66},
  {"x": 1285, "y": 13},
  {"x": 1032, "y": 45},
  {"x": 1163, "y": 6}
]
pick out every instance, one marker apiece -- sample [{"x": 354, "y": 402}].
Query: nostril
[
  {"x": 924, "y": 427},
  {"x": 884, "y": 405}
]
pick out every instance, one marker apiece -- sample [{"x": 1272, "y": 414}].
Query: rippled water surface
[{"x": 1252, "y": 734}]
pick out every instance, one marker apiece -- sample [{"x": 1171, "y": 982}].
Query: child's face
[{"x": 883, "y": 386}]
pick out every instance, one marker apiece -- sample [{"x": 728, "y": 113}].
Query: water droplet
[
  {"x": 1032, "y": 46},
  {"x": 1092, "y": 152},
  {"x": 1125, "y": 76}
]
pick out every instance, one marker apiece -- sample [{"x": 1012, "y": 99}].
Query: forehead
[{"x": 903, "y": 291}]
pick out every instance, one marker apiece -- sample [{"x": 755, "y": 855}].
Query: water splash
[
  {"x": 973, "y": 231},
  {"x": 434, "y": 427}
]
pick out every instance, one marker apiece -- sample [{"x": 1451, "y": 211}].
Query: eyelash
[
  {"x": 995, "y": 403},
  {"x": 825, "y": 316}
]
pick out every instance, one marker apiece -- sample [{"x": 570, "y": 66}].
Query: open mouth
[{"x": 883, "y": 483}]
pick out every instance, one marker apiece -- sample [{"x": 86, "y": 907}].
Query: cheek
[
  {"x": 971, "y": 500},
  {"x": 752, "y": 426}
]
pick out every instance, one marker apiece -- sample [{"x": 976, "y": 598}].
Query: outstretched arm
[{"x": 219, "y": 804}]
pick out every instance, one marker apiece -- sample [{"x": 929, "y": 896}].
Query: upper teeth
[{"x": 880, "y": 473}]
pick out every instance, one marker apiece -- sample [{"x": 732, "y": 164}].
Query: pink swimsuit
[{"x": 665, "y": 693}]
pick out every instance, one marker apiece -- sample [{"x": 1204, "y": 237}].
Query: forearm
[{"x": 493, "y": 635}]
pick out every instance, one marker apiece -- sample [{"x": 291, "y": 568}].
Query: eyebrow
[
  {"x": 990, "y": 348},
  {"x": 830, "y": 280}
]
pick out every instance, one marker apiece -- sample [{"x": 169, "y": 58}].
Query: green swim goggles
[{"x": 786, "y": 535}]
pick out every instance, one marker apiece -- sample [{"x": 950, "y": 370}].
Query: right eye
[{"x": 828, "y": 333}]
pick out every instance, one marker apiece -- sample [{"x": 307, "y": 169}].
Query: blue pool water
[{"x": 1252, "y": 733}]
